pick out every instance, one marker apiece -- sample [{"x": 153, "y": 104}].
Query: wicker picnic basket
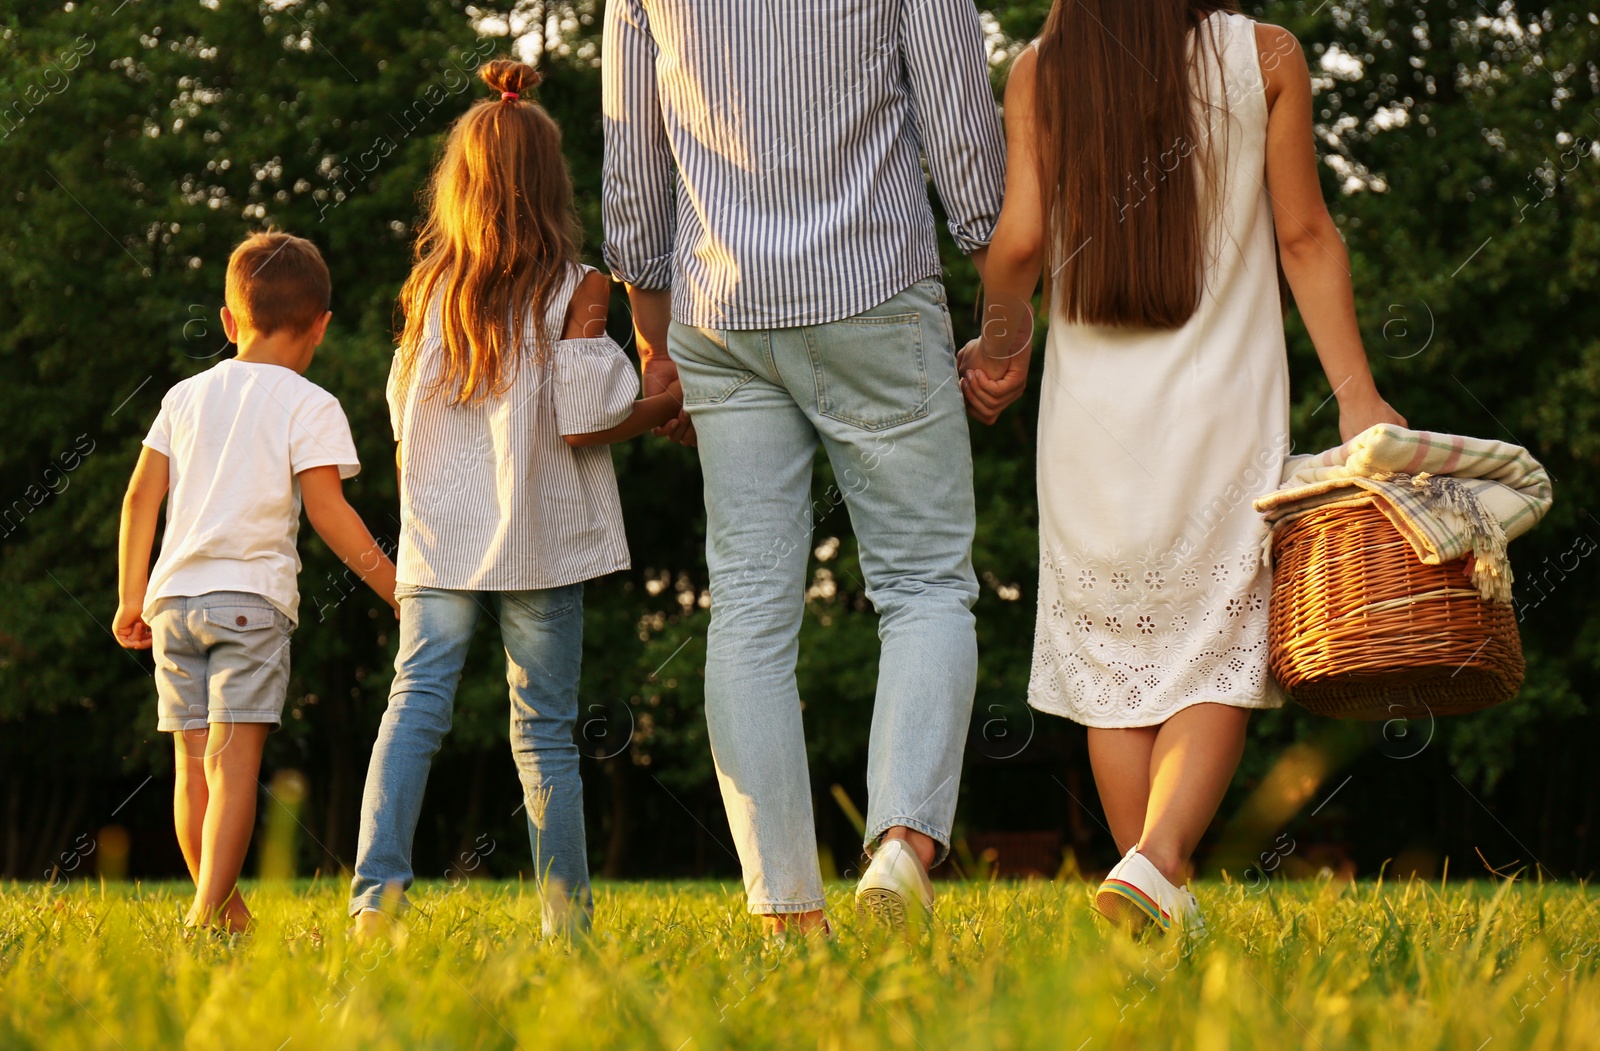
[{"x": 1360, "y": 628}]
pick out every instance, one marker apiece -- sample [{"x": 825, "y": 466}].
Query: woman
[{"x": 1162, "y": 165}]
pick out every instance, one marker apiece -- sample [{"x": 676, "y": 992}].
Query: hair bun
[{"x": 502, "y": 74}]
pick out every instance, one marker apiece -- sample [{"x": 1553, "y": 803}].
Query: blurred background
[{"x": 141, "y": 139}]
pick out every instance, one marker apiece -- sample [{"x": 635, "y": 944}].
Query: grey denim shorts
[{"x": 222, "y": 657}]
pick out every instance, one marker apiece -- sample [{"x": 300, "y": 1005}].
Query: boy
[{"x": 238, "y": 447}]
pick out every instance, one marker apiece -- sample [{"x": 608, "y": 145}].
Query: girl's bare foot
[
  {"x": 231, "y": 917},
  {"x": 235, "y": 918}
]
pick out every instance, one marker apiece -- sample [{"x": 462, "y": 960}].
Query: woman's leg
[
  {"x": 435, "y": 629},
  {"x": 1121, "y": 762},
  {"x": 1191, "y": 765}
]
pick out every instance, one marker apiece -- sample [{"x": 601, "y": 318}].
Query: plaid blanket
[{"x": 1447, "y": 495}]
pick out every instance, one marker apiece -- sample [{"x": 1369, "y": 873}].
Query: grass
[{"x": 679, "y": 967}]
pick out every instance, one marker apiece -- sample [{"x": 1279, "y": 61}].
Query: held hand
[
  {"x": 1007, "y": 333},
  {"x": 1366, "y": 410},
  {"x": 680, "y": 429},
  {"x": 661, "y": 377},
  {"x": 986, "y": 394},
  {"x": 969, "y": 357},
  {"x": 659, "y": 374},
  {"x": 130, "y": 629}
]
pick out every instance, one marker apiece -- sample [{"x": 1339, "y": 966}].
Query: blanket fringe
[{"x": 1491, "y": 570}]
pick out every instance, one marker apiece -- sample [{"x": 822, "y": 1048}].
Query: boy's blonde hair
[{"x": 277, "y": 281}]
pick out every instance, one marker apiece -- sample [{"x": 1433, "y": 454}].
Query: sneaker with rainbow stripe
[{"x": 1135, "y": 895}]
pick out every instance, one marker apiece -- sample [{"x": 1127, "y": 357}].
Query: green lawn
[{"x": 679, "y": 967}]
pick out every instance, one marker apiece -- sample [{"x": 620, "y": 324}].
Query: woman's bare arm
[
  {"x": 1312, "y": 252},
  {"x": 994, "y": 367}
]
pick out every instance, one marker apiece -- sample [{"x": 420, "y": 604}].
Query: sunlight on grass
[{"x": 679, "y": 966}]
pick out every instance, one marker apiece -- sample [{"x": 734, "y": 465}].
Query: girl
[
  {"x": 504, "y": 394},
  {"x": 1161, "y": 158}
]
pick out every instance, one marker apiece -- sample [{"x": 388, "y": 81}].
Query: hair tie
[{"x": 507, "y": 96}]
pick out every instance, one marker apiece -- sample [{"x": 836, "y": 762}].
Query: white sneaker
[
  {"x": 1135, "y": 894},
  {"x": 372, "y": 926},
  {"x": 894, "y": 885}
]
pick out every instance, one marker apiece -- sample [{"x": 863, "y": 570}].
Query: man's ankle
[
  {"x": 924, "y": 846},
  {"x": 813, "y": 922}
]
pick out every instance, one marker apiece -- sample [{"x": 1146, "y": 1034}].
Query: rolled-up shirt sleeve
[
  {"x": 638, "y": 200},
  {"x": 595, "y": 385},
  {"x": 948, "y": 72}
]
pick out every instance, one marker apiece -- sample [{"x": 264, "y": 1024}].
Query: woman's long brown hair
[
  {"x": 1127, "y": 178},
  {"x": 499, "y": 232}
]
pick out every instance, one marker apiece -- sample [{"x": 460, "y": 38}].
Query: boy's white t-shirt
[{"x": 236, "y": 436}]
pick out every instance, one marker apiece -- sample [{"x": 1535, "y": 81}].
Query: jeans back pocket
[
  {"x": 708, "y": 370},
  {"x": 545, "y": 604},
  {"x": 871, "y": 371}
]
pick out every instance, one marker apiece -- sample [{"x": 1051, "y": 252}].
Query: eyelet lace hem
[{"x": 1128, "y": 640}]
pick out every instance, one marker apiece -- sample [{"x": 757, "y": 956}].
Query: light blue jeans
[
  {"x": 543, "y": 636},
  {"x": 879, "y": 392}
]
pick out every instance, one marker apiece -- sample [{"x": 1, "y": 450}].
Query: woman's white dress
[{"x": 1152, "y": 445}]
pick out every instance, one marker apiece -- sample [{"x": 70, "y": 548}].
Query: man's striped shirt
[{"x": 765, "y": 160}]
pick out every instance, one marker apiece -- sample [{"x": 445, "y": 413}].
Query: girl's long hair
[
  {"x": 499, "y": 233},
  {"x": 1128, "y": 179}
]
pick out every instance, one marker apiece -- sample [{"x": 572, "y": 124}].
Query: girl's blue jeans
[{"x": 543, "y": 636}]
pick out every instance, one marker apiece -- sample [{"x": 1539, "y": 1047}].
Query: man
[{"x": 763, "y": 163}]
